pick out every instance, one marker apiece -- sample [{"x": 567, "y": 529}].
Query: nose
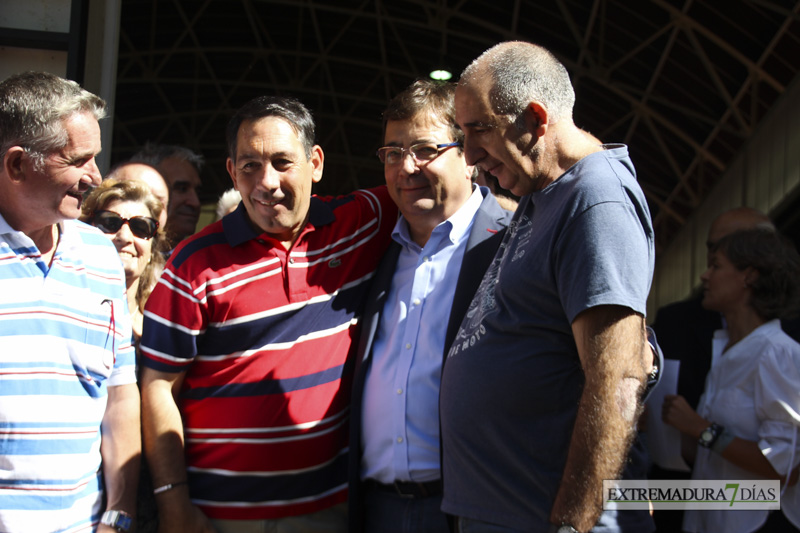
[
  {"x": 409, "y": 163},
  {"x": 93, "y": 173},
  {"x": 704, "y": 276},
  {"x": 123, "y": 235},
  {"x": 473, "y": 152},
  {"x": 192, "y": 198},
  {"x": 270, "y": 181}
]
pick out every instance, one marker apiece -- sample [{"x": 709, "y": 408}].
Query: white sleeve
[{"x": 777, "y": 403}]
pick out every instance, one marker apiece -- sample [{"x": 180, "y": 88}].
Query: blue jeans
[{"x": 385, "y": 512}]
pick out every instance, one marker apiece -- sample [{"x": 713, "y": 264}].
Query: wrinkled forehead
[{"x": 473, "y": 107}]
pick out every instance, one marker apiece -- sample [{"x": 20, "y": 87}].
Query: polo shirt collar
[{"x": 238, "y": 230}]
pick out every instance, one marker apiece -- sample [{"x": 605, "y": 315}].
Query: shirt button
[
  {"x": 399, "y": 440},
  {"x": 408, "y": 346},
  {"x": 399, "y": 391},
  {"x": 426, "y": 258},
  {"x": 291, "y": 260},
  {"x": 261, "y": 241},
  {"x": 417, "y": 301}
]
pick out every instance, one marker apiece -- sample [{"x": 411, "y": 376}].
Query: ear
[
  {"x": 231, "y": 167},
  {"x": 750, "y": 276},
  {"x": 14, "y": 163},
  {"x": 317, "y": 160},
  {"x": 536, "y": 119},
  {"x": 472, "y": 173}
]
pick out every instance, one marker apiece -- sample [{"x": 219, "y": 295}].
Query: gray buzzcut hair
[
  {"x": 154, "y": 153},
  {"x": 33, "y": 107},
  {"x": 523, "y": 72}
]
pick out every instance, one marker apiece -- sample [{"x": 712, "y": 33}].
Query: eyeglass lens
[
  {"x": 392, "y": 155},
  {"x": 142, "y": 227}
]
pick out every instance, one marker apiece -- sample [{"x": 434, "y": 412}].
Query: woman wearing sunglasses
[{"x": 127, "y": 212}]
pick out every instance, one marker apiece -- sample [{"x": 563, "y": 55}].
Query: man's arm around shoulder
[{"x": 611, "y": 343}]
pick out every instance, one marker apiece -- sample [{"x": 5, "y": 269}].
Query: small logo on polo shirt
[{"x": 333, "y": 263}]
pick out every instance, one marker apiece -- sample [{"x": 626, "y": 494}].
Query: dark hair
[
  {"x": 289, "y": 109},
  {"x": 775, "y": 290},
  {"x": 33, "y": 106},
  {"x": 435, "y": 98}
]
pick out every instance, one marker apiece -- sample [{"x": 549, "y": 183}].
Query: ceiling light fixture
[{"x": 440, "y": 75}]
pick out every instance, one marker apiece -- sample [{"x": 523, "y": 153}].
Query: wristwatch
[
  {"x": 563, "y": 528},
  {"x": 119, "y": 520},
  {"x": 710, "y": 435}
]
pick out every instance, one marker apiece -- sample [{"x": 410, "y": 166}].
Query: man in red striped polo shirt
[{"x": 248, "y": 340}]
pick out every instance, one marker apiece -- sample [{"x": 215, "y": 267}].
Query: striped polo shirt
[
  {"x": 266, "y": 338},
  {"x": 65, "y": 337}
]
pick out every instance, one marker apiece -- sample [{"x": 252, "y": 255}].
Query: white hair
[{"x": 227, "y": 202}]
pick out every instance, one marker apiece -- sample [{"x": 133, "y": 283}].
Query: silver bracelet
[
  {"x": 722, "y": 442},
  {"x": 168, "y": 486}
]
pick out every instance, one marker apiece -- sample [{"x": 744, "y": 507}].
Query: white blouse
[{"x": 753, "y": 390}]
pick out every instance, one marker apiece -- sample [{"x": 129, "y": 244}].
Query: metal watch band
[{"x": 119, "y": 520}]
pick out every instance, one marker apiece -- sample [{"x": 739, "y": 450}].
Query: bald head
[
  {"x": 737, "y": 219},
  {"x": 150, "y": 176},
  {"x": 521, "y": 73}
]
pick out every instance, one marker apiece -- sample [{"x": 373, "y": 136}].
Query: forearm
[
  {"x": 747, "y": 455},
  {"x": 164, "y": 444},
  {"x": 121, "y": 448},
  {"x": 614, "y": 360}
]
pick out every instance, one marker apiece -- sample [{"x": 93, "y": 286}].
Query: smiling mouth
[
  {"x": 492, "y": 170},
  {"x": 271, "y": 203}
]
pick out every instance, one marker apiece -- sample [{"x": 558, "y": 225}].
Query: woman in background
[
  {"x": 746, "y": 424},
  {"x": 127, "y": 212}
]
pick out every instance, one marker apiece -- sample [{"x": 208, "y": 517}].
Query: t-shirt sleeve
[
  {"x": 603, "y": 259},
  {"x": 173, "y": 320}
]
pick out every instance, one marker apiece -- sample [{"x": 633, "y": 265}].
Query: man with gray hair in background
[
  {"x": 181, "y": 168},
  {"x": 542, "y": 386},
  {"x": 69, "y": 405}
]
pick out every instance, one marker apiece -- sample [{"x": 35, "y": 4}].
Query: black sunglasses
[{"x": 110, "y": 222}]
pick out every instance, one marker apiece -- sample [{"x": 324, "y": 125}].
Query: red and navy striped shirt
[{"x": 267, "y": 338}]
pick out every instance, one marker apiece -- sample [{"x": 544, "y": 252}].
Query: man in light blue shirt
[{"x": 419, "y": 296}]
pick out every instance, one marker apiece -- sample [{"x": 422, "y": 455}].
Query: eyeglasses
[
  {"x": 392, "y": 155},
  {"x": 110, "y": 222}
]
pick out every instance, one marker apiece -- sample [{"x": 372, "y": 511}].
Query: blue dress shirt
[{"x": 400, "y": 409}]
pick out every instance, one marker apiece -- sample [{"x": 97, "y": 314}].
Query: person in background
[
  {"x": 228, "y": 202},
  {"x": 148, "y": 174},
  {"x": 685, "y": 331},
  {"x": 128, "y": 212},
  {"x": 69, "y": 440},
  {"x": 248, "y": 341},
  {"x": 747, "y": 422},
  {"x": 446, "y": 237},
  {"x": 181, "y": 169},
  {"x": 543, "y": 382},
  {"x": 507, "y": 199}
]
